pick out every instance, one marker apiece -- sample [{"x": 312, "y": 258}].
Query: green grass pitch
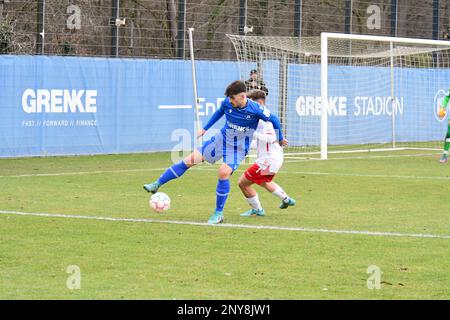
[{"x": 402, "y": 193}]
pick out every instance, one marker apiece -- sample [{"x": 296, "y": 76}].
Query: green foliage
[
  {"x": 213, "y": 20},
  {"x": 421, "y": 60},
  {"x": 6, "y": 37},
  {"x": 68, "y": 49}
]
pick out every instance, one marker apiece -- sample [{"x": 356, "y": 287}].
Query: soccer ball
[{"x": 160, "y": 202}]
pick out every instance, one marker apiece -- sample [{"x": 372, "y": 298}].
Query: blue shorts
[{"x": 232, "y": 152}]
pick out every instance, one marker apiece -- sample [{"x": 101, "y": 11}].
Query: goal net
[{"x": 351, "y": 93}]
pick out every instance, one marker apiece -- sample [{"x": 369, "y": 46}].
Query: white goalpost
[{"x": 351, "y": 93}]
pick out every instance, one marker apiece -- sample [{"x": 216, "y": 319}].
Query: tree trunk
[
  {"x": 172, "y": 18},
  {"x": 270, "y": 14},
  {"x": 402, "y": 22}
]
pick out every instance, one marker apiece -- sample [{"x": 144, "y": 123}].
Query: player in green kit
[{"x": 441, "y": 114}]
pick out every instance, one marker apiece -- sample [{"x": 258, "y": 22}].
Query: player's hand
[
  {"x": 283, "y": 142},
  {"x": 200, "y": 133}
]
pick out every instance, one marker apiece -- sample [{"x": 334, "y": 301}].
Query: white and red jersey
[{"x": 269, "y": 151}]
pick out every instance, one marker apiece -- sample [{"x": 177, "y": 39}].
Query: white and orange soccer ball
[{"x": 160, "y": 202}]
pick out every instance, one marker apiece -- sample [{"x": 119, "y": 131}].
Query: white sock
[
  {"x": 279, "y": 192},
  {"x": 254, "y": 202}
]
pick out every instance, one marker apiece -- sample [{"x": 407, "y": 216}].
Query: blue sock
[
  {"x": 222, "y": 191},
  {"x": 173, "y": 172}
]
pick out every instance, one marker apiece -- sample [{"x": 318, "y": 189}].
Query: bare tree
[
  {"x": 151, "y": 25},
  {"x": 172, "y": 18}
]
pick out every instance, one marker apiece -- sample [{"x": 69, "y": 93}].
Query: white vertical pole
[
  {"x": 245, "y": 17},
  {"x": 194, "y": 78},
  {"x": 43, "y": 28},
  {"x": 184, "y": 30},
  {"x": 324, "y": 96},
  {"x": 117, "y": 27},
  {"x": 394, "y": 105}
]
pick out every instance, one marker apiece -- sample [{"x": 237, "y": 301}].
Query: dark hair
[
  {"x": 256, "y": 94},
  {"x": 234, "y": 88},
  {"x": 253, "y": 71}
]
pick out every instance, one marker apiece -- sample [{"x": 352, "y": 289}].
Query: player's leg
[
  {"x": 278, "y": 191},
  {"x": 246, "y": 187},
  {"x": 245, "y": 184},
  {"x": 175, "y": 171},
  {"x": 222, "y": 191},
  {"x": 193, "y": 159},
  {"x": 233, "y": 151},
  {"x": 207, "y": 152},
  {"x": 444, "y": 158}
]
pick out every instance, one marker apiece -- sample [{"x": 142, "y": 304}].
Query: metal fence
[{"x": 158, "y": 28}]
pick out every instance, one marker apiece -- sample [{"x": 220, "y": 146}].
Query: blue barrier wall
[
  {"x": 97, "y": 105},
  {"x": 366, "y": 108},
  {"x": 68, "y": 105}
]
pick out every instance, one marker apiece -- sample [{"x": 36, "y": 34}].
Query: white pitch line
[
  {"x": 348, "y": 174},
  {"x": 293, "y": 159},
  {"x": 80, "y": 173},
  {"x": 211, "y": 169},
  {"x": 175, "y": 106},
  {"x": 228, "y": 225}
]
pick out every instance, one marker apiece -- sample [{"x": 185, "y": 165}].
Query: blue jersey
[
  {"x": 233, "y": 141},
  {"x": 242, "y": 122}
]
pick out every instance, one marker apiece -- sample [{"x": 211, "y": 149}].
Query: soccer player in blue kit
[{"x": 231, "y": 144}]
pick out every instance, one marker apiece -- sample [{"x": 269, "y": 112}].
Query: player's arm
[
  {"x": 214, "y": 118},
  {"x": 267, "y": 135},
  {"x": 278, "y": 131},
  {"x": 265, "y": 115},
  {"x": 277, "y": 126}
]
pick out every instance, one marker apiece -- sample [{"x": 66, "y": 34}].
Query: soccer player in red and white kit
[{"x": 269, "y": 161}]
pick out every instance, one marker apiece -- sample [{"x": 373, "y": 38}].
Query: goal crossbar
[
  {"x": 341, "y": 93},
  {"x": 427, "y": 42},
  {"x": 324, "y": 73}
]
